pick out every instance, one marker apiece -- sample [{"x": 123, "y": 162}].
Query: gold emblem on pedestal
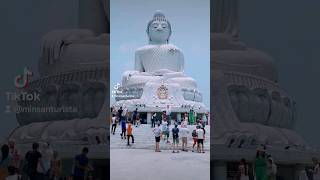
[{"x": 162, "y": 92}]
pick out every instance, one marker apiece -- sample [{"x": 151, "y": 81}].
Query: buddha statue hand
[{"x": 52, "y": 43}]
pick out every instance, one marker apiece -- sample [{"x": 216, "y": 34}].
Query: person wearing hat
[{"x": 260, "y": 165}]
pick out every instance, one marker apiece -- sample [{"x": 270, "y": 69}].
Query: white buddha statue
[{"x": 158, "y": 61}]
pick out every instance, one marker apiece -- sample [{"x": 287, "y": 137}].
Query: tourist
[
  {"x": 157, "y": 134},
  {"x": 153, "y": 120},
  {"x": 168, "y": 113},
  {"x": 47, "y": 156},
  {"x": 186, "y": 116},
  {"x": 316, "y": 169},
  {"x": 204, "y": 131},
  {"x": 138, "y": 120},
  {"x": 12, "y": 174},
  {"x": 125, "y": 113},
  {"x": 34, "y": 162},
  {"x": 260, "y": 165},
  {"x": 203, "y": 124},
  {"x": 164, "y": 117},
  {"x": 114, "y": 124},
  {"x": 175, "y": 137},
  {"x": 81, "y": 165},
  {"x": 55, "y": 171},
  {"x": 243, "y": 170},
  {"x": 272, "y": 169},
  {"x": 200, "y": 136},
  {"x": 129, "y": 133},
  {"x": 184, "y": 136},
  {"x": 134, "y": 116},
  {"x": 165, "y": 130},
  {"x": 191, "y": 117},
  {"x": 14, "y": 153},
  {"x": 195, "y": 139},
  {"x": 185, "y": 121},
  {"x": 6, "y": 161},
  {"x": 120, "y": 111},
  {"x": 123, "y": 128}
]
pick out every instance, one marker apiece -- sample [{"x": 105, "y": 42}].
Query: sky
[{"x": 190, "y": 23}]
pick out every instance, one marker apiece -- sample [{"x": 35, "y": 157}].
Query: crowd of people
[
  {"x": 162, "y": 131},
  {"x": 264, "y": 168},
  {"x": 40, "y": 163},
  {"x": 161, "y": 128}
]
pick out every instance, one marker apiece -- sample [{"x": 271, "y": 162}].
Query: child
[{"x": 129, "y": 133}]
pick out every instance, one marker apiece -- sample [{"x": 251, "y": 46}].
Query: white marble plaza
[{"x": 141, "y": 164}]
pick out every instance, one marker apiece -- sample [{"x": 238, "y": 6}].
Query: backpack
[{"x": 194, "y": 133}]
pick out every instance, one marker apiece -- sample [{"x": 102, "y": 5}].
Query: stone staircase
[{"x": 144, "y": 138}]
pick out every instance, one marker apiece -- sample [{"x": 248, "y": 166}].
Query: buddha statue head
[{"x": 159, "y": 29}]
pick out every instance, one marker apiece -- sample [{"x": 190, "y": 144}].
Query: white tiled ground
[{"x": 145, "y": 164}]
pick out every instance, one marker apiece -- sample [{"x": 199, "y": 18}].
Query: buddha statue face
[{"x": 159, "y": 29}]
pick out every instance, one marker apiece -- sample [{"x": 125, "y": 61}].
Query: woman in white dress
[{"x": 243, "y": 170}]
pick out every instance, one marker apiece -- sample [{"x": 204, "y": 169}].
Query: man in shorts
[
  {"x": 175, "y": 136},
  {"x": 157, "y": 134},
  {"x": 200, "y": 134}
]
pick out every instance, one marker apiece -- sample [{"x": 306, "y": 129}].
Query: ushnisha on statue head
[{"x": 159, "y": 29}]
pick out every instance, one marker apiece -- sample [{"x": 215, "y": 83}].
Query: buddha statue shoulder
[{"x": 158, "y": 60}]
